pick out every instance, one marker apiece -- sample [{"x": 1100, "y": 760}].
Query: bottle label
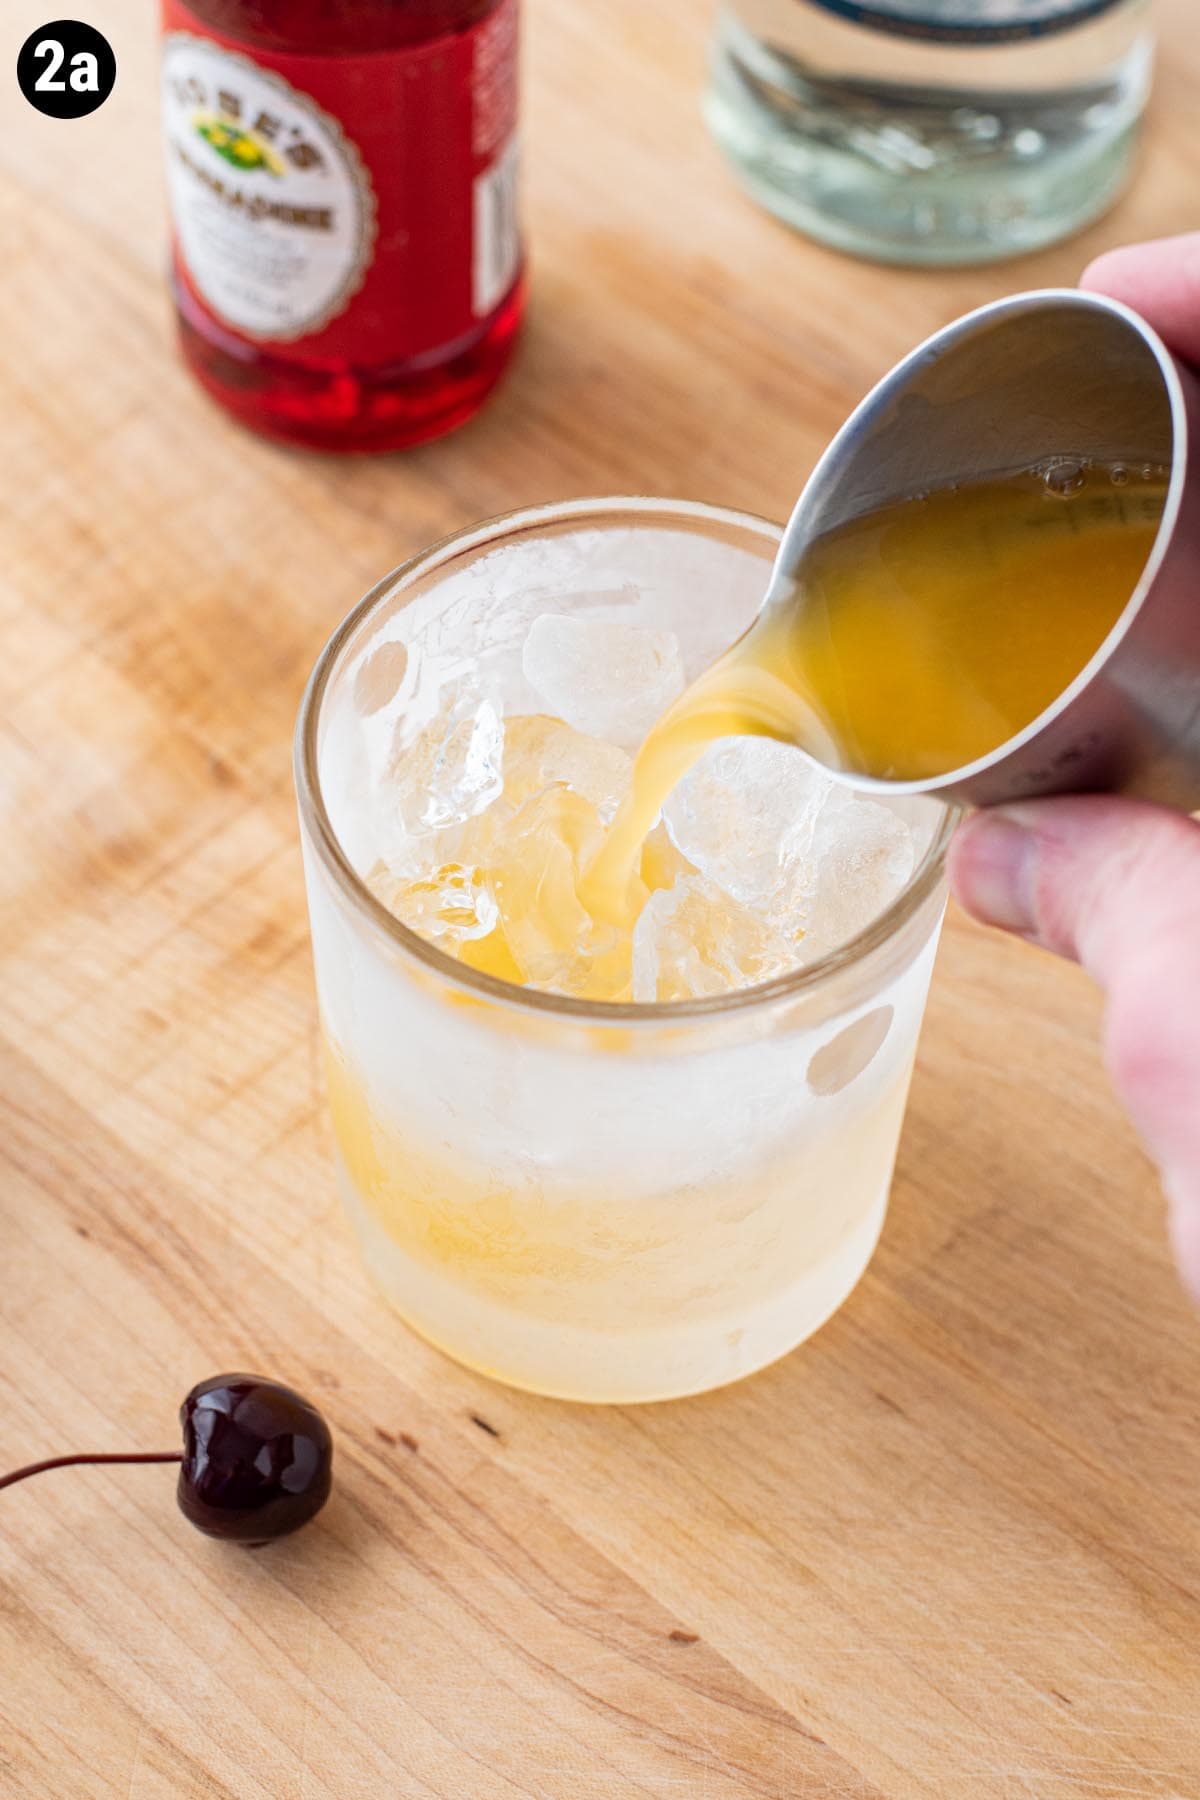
[
  {"x": 273, "y": 208},
  {"x": 969, "y": 21},
  {"x": 364, "y": 205}
]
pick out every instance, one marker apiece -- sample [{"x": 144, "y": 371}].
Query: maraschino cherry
[{"x": 256, "y": 1461}]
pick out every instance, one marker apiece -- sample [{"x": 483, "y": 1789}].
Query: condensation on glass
[{"x": 603, "y": 1202}]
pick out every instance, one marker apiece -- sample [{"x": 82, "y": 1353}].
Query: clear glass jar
[
  {"x": 596, "y": 1201},
  {"x": 931, "y": 131}
]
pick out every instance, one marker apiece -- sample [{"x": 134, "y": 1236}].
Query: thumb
[{"x": 1114, "y": 884}]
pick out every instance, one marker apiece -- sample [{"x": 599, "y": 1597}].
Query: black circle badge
[{"x": 67, "y": 69}]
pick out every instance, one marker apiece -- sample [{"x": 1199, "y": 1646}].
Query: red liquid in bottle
[{"x": 346, "y": 263}]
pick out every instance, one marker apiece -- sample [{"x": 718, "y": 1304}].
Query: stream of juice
[{"x": 919, "y": 637}]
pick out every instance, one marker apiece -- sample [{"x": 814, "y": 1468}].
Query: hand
[{"x": 1115, "y": 884}]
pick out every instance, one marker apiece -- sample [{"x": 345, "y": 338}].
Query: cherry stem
[{"x": 68, "y": 1462}]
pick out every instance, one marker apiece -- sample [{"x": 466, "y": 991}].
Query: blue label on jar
[{"x": 969, "y": 21}]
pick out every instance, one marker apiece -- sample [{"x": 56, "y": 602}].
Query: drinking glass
[{"x": 596, "y": 1201}]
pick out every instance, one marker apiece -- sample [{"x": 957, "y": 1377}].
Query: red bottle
[{"x": 342, "y": 177}]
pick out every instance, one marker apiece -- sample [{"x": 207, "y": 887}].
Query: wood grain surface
[{"x": 951, "y": 1548}]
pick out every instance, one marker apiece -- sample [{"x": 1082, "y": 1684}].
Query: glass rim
[{"x": 315, "y": 816}]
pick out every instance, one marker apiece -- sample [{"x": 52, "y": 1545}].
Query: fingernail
[{"x": 994, "y": 872}]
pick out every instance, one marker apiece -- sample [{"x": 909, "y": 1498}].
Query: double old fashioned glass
[{"x": 599, "y": 1201}]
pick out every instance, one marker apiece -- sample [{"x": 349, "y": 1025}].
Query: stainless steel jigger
[{"x": 1042, "y": 375}]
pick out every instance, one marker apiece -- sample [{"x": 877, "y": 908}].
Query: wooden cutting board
[{"x": 952, "y": 1547}]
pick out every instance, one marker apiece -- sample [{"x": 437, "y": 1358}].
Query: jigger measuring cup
[{"x": 1058, "y": 373}]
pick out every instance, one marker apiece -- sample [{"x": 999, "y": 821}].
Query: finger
[
  {"x": 1091, "y": 877},
  {"x": 1184, "y": 1196},
  {"x": 1159, "y": 280},
  {"x": 1116, "y": 885}
]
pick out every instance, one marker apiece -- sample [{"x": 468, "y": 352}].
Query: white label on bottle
[
  {"x": 497, "y": 237},
  {"x": 968, "y": 21},
  {"x": 273, "y": 210}
]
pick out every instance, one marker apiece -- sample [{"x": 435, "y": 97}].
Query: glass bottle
[
  {"x": 346, "y": 263},
  {"x": 931, "y": 131}
]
